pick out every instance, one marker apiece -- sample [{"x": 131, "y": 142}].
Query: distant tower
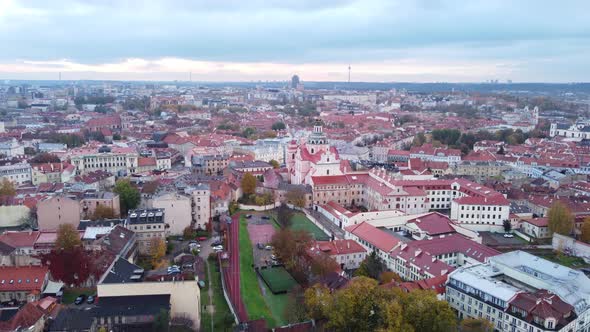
[
  {"x": 349, "y": 74},
  {"x": 294, "y": 81}
]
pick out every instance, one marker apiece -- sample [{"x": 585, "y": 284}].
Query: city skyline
[{"x": 383, "y": 41}]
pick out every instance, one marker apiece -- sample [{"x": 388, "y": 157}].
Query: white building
[
  {"x": 481, "y": 213},
  {"x": 201, "y": 199},
  {"x": 119, "y": 161},
  {"x": 11, "y": 148},
  {"x": 17, "y": 173},
  {"x": 517, "y": 291},
  {"x": 177, "y": 210}
]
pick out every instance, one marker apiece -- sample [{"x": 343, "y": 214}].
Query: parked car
[
  {"x": 268, "y": 247},
  {"x": 273, "y": 257},
  {"x": 180, "y": 239},
  {"x": 216, "y": 243},
  {"x": 508, "y": 235},
  {"x": 192, "y": 242},
  {"x": 201, "y": 238},
  {"x": 248, "y": 216},
  {"x": 260, "y": 246},
  {"x": 80, "y": 299},
  {"x": 218, "y": 248},
  {"x": 194, "y": 245},
  {"x": 265, "y": 217},
  {"x": 91, "y": 299}
]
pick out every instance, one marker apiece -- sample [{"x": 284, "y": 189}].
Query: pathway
[
  {"x": 334, "y": 229},
  {"x": 211, "y": 308}
]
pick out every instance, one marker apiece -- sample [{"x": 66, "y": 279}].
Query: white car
[
  {"x": 194, "y": 245},
  {"x": 508, "y": 235},
  {"x": 218, "y": 248}
]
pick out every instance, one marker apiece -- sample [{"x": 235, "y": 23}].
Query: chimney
[{"x": 348, "y": 244}]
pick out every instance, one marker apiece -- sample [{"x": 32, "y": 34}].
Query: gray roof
[{"x": 121, "y": 272}]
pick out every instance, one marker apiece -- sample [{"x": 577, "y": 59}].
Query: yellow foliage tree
[
  {"x": 157, "y": 250},
  {"x": 68, "y": 237}
]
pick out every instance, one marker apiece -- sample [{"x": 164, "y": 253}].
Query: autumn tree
[
  {"x": 72, "y": 266},
  {"x": 585, "y": 236},
  {"x": 284, "y": 216},
  {"x": 388, "y": 276},
  {"x": 68, "y": 237},
  {"x": 248, "y": 184},
  {"x": 290, "y": 246},
  {"x": 275, "y": 164},
  {"x": 45, "y": 157},
  {"x": 561, "y": 220},
  {"x": 371, "y": 267},
  {"x": 322, "y": 264},
  {"x": 7, "y": 188},
  {"x": 297, "y": 197},
  {"x": 129, "y": 196},
  {"x": 476, "y": 325},
  {"x": 157, "y": 250},
  {"x": 317, "y": 301},
  {"x": 103, "y": 212},
  {"x": 426, "y": 313}
]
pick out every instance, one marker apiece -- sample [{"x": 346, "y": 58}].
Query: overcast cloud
[{"x": 218, "y": 40}]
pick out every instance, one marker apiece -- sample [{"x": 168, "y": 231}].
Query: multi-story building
[
  {"x": 58, "y": 210},
  {"x": 347, "y": 253},
  {"x": 577, "y": 130},
  {"x": 11, "y": 149},
  {"x": 480, "y": 169},
  {"x": 201, "y": 202},
  {"x": 147, "y": 224},
  {"x": 113, "y": 160},
  {"x": 517, "y": 291},
  {"x": 22, "y": 284},
  {"x": 178, "y": 210},
  {"x": 52, "y": 173},
  {"x": 481, "y": 213},
  {"x": 17, "y": 173},
  {"x": 92, "y": 199},
  {"x": 537, "y": 228},
  {"x": 430, "y": 153},
  {"x": 210, "y": 164}
]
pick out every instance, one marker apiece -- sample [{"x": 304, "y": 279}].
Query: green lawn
[
  {"x": 71, "y": 294},
  {"x": 223, "y": 319},
  {"x": 253, "y": 300},
  {"x": 300, "y": 221},
  {"x": 278, "y": 305}
]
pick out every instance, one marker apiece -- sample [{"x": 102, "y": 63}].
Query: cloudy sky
[{"x": 244, "y": 40}]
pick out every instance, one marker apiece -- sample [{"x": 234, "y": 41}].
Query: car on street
[
  {"x": 508, "y": 235},
  {"x": 194, "y": 245},
  {"x": 80, "y": 299},
  {"x": 248, "y": 216},
  {"x": 192, "y": 242},
  {"x": 266, "y": 217},
  {"x": 216, "y": 243},
  {"x": 268, "y": 247},
  {"x": 91, "y": 299},
  {"x": 260, "y": 246},
  {"x": 201, "y": 238},
  {"x": 273, "y": 257},
  {"x": 218, "y": 248}
]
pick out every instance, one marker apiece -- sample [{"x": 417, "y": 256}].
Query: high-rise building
[{"x": 294, "y": 81}]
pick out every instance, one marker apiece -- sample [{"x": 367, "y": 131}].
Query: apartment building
[
  {"x": 178, "y": 210},
  {"x": 57, "y": 210},
  {"x": 16, "y": 173},
  {"x": 114, "y": 160},
  {"x": 201, "y": 202},
  {"x": 147, "y": 225}
]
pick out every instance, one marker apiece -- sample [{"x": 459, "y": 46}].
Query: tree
[
  {"x": 45, "y": 157},
  {"x": 73, "y": 266},
  {"x": 275, "y": 164},
  {"x": 317, "y": 301},
  {"x": 561, "y": 220},
  {"x": 585, "y": 236},
  {"x": 248, "y": 184},
  {"x": 426, "y": 313},
  {"x": 68, "y": 238},
  {"x": 129, "y": 196},
  {"x": 233, "y": 207},
  {"x": 7, "y": 188},
  {"x": 188, "y": 232},
  {"x": 322, "y": 264},
  {"x": 476, "y": 325},
  {"x": 389, "y": 276},
  {"x": 103, "y": 212},
  {"x": 291, "y": 246},
  {"x": 297, "y": 197},
  {"x": 278, "y": 126},
  {"x": 162, "y": 321},
  {"x": 284, "y": 216},
  {"x": 157, "y": 250},
  {"x": 371, "y": 267},
  {"x": 507, "y": 226}
]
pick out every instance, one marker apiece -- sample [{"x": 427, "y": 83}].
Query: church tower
[{"x": 317, "y": 141}]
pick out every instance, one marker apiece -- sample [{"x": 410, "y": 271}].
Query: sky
[{"x": 251, "y": 40}]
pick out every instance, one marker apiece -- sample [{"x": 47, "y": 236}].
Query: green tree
[
  {"x": 162, "y": 321},
  {"x": 284, "y": 216},
  {"x": 278, "y": 126},
  {"x": 561, "y": 220},
  {"x": 419, "y": 139},
  {"x": 68, "y": 237},
  {"x": 371, "y": 267},
  {"x": 129, "y": 196},
  {"x": 248, "y": 184},
  {"x": 476, "y": 325},
  {"x": 275, "y": 164},
  {"x": 317, "y": 301},
  {"x": 7, "y": 188},
  {"x": 507, "y": 226}
]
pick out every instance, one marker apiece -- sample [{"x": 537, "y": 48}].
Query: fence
[{"x": 259, "y": 207}]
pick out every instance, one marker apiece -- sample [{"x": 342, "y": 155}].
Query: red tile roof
[
  {"x": 434, "y": 223},
  {"x": 371, "y": 234},
  {"x": 28, "y": 278},
  {"x": 340, "y": 247},
  {"x": 19, "y": 239}
]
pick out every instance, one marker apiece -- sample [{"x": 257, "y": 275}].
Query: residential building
[
  {"x": 178, "y": 210},
  {"x": 12, "y": 149},
  {"x": 56, "y": 210},
  {"x": 22, "y": 284},
  {"x": 210, "y": 164},
  {"x": 52, "y": 173},
  {"x": 537, "y": 228},
  {"x": 201, "y": 202},
  {"x": 114, "y": 160},
  {"x": 92, "y": 199},
  {"x": 16, "y": 173},
  {"x": 347, "y": 253},
  {"x": 147, "y": 225},
  {"x": 481, "y": 213}
]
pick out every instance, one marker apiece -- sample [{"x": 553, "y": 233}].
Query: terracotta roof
[
  {"x": 20, "y": 239},
  {"x": 28, "y": 278},
  {"x": 340, "y": 247},
  {"x": 433, "y": 223},
  {"x": 26, "y": 316},
  {"x": 378, "y": 238}
]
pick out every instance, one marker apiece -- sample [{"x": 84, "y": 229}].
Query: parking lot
[
  {"x": 498, "y": 239},
  {"x": 261, "y": 232}
]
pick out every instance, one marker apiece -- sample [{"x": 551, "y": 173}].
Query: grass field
[
  {"x": 278, "y": 279},
  {"x": 223, "y": 319},
  {"x": 253, "y": 300},
  {"x": 71, "y": 294},
  {"x": 300, "y": 221}
]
